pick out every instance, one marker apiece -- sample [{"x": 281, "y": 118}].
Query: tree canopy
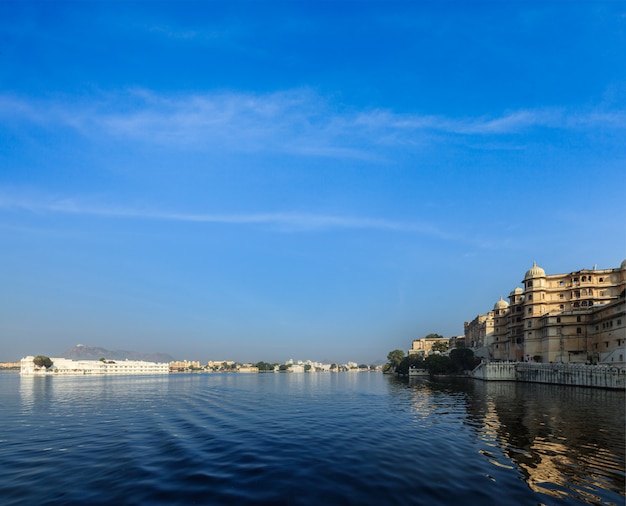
[
  {"x": 395, "y": 357},
  {"x": 42, "y": 361},
  {"x": 463, "y": 359}
]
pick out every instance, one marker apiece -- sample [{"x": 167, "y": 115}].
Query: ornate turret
[
  {"x": 501, "y": 304},
  {"x": 535, "y": 272}
]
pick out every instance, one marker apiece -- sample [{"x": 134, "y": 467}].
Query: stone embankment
[{"x": 595, "y": 376}]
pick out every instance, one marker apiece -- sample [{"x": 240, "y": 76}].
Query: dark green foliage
[
  {"x": 264, "y": 366},
  {"x": 395, "y": 357},
  {"x": 42, "y": 361},
  {"x": 408, "y": 362},
  {"x": 463, "y": 359},
  {"x": 433, "y": 336},
  {"x": 439, "y": 364}
]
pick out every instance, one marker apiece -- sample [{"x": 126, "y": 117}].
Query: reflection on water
[{"x": 567, "y": 442}]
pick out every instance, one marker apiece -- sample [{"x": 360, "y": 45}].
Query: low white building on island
[{"x": 66, "y": 366}]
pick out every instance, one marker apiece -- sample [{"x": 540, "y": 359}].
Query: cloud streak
[
  {"x": 286, "y": 221},
  {"x": 297, "y": 121}
]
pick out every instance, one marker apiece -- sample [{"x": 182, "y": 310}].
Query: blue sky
[{"x": 307, "y": 180}]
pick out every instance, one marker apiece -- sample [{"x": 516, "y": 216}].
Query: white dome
[
  {"x": 501, "y": 304},
  {"x": 535, "y": 272}
]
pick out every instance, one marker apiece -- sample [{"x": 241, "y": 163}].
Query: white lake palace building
[{"x": 66, "y": 366}]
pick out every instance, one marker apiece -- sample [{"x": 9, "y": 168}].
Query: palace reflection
[{"x": 565, "y": 441}]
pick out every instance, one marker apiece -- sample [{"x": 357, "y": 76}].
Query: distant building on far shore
[
  {"x": 9, "y": 365},
  {"x": 576, "y": 317}
]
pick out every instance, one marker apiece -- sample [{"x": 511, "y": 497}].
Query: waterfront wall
[
  {"x": 594, "y": 376},
  {"x": 495, "y": 371}
]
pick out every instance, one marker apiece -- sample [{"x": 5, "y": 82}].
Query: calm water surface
[{"x": 360, "y": 438}]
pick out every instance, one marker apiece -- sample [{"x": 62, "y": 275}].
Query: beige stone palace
[{"x": 577, "y": 317}]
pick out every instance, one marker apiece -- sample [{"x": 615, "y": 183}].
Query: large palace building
[{"x": 577, "y": 317}]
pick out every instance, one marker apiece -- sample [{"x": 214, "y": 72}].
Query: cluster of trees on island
[
  {"x": 455, "y": 362},
  {"x": 43, "y": 361}
]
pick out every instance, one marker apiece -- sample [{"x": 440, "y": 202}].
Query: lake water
[{"x": 327, "y": 438}]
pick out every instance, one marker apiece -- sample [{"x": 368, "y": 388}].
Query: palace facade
[{"x": 576, "y": 317}]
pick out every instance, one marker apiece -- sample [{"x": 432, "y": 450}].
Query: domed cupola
[
  {"x": 501, "y": 304},
  {"x": 535, "y": 272},
  {"x": 623, "y": 266},
  {"x": 517, "y": 291}
]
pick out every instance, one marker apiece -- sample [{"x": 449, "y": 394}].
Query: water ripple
[{"x": 306, "y": 439}]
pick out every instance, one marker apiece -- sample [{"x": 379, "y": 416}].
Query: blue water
[{"x": 324, "y": 438}]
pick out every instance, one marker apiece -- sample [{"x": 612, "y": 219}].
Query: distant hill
[{"x": 82, "y": 352}]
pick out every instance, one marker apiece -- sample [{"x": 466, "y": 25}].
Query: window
[
  {"x": 529, "y": 284},
  {"x": 579, "y": 330},
  {"x": 600, "y": 280},
  {"x": 561, "y": 283},
  {"x": 578, "y": 318},
  {"x": 518, "y": 319},
  {"x": 558, "y": 319},
  {"x": 530, "y": 324},
  {"x": 561, "y": 296},
  {"x": 619, "y": 322},
  {"x": 576, "y": 304},
  {"x": 577, "y": 293},
  {"x": 530, "y": 296},
  {"x": 561, "y": 306},
  {"x": 530, "y": 310},
  {"x": 584, "y": 278}
]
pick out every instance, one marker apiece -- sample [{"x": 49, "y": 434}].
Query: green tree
[
  {"x": 408, "y": 362},
  {"x": 439, "y": 364},
  {"x": 395, "y": 357},
  {"x": 264, "y": 366},
  {"x": 433, "y": 336},
  {"x": 307, "y": 367},
  {"x": 463, "y": 359},
  {"x": 42, "y": 361}
]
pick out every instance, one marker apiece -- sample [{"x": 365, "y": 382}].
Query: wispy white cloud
[
  {"x": 297, "y": 121},
  {"x": 285, "y": 221}
]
